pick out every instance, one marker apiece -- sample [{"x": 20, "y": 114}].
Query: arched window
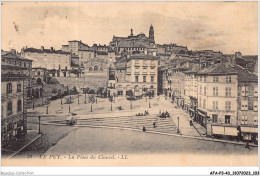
[
  {"x": 90, "y": 69},
  {"x": 95, "y": 68}
]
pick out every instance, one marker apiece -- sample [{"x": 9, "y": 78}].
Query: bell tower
[{"x": 151, "y": 34}]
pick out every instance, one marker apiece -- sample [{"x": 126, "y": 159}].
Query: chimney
[
  {"x": 13, "y": 51},
  {"x": 42, "y": 48}
]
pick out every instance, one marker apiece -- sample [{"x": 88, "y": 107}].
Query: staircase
[{"x": 165, "y": 125}]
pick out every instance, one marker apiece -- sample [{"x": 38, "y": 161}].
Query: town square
[{"x": 100, "y": 82}]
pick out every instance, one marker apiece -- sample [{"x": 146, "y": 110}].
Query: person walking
[{"x": 144, "y": 129}]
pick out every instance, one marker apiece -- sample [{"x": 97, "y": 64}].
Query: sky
[{"x": 221, "y": 26}]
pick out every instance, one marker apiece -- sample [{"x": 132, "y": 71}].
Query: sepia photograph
[{"x": 134, "y": 83}]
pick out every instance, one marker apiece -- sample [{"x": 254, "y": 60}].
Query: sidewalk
[
  {"x": 196, "y": 130},
  {"x": 184, "y": 122},
  {"x": 19, "y": 144}
]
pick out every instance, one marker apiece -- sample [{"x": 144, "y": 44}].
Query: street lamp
[
  {"x": 178, "y": 130},
  {"x": 39, "y": 117},
  {"x": 47, "y": 109}
]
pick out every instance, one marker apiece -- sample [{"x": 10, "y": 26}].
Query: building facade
[{"x": 15, "y": 80}]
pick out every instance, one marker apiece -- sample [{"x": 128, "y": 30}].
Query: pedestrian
[
  {"x": 144, "y": 129},
  {"x": 154, "y": 124},
  {"x": 247, "y": 146}
]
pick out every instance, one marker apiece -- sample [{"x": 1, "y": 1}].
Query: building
[
  {"x": 15, "y": 80},
  {"x": 191, "y": 91},
  {"x": 217, "y": 99},
  {"x": 133, "y": 44},
  {"x": 50, "y": 59},
  {"x": 247, "y": 105},
  {"x": 135, "y": 75}
]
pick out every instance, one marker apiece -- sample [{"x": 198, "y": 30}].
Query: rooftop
[
  {"x": 12, "y": 55},
  {"x": 34, "y": 50},
  {"x": 218, "y": 69}
]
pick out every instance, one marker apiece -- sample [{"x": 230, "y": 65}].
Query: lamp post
[
  {"x": 69, "y": 106},
  {"x": 47, "y": 109},
  {"x": 39, "y": 117},
  {"x": 178, "y": 130}
]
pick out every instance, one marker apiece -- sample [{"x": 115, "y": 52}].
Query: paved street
[{"x": 101, "y": 140}]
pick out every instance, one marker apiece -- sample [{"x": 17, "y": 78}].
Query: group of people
[
  {"x": 143, "y": 114},
  {"x": 164, "y": 114}
]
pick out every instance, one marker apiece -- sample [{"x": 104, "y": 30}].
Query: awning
[
  {"x": 231, "y": 131},
  {"x": 249, "y": 129},
  {"x": 192, "y": 110},
  {"x": 201, "y": 114}
]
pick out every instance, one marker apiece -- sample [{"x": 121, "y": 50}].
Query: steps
[{"x": 134, "y": 122}]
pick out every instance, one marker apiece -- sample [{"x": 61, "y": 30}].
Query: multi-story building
[
  {"x": 47, "y": 58},
  {"x": 247, "y": 105},
  {"x": 133, "y": 44},
  {"x": 191, "y": 91},
  {"x": 135, "y": 75},
  {"x": 15, "y": 80},
  {"x": 217, "y": 99}
]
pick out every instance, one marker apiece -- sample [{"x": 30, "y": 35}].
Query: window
[
  {"x": 244, "y": 91},
  {"x": 215, "y": 118},
  {"x": 215, "y": 79},
  {"x": 215, "y": 105},
  {"x": 136, "y": 78},
  {"x": 204, "y": 103},
  {"x": 19, "y": 105},
  {"x": 227, "y": 119},
  {"x": 215, "y": 91},
  {"x": 228, "y": 91},
  {"x": 228, "y": 79},
  {"x": 24, "y": 64},
  {"x": 228, "y": 106},
  {"x": 9, "y": 108},
  {"x": 9, "y": 88},
  {"x": 144, "y": 78},
  {"x": 244, "y": 105},
  {"x": 200, "y": 102},
  {"x": 152, "y": 78},
  {"x": 39, "y": 73},
  {"x": 244, "y": 120},
  {"x": 255, "y": 120},
  {"x": 256, "y": 91},
  {"x": 200, "y": 78},
  {"x": 205, "y": 90},
  {"x": 205, "y": 78},
  {"x": 200, "y": 90},
  {"x": 19, "y": 87},
  {"x": 255, "y": 105}
]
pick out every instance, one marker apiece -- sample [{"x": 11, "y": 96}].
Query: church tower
[{"x": 151, "y": 34}]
